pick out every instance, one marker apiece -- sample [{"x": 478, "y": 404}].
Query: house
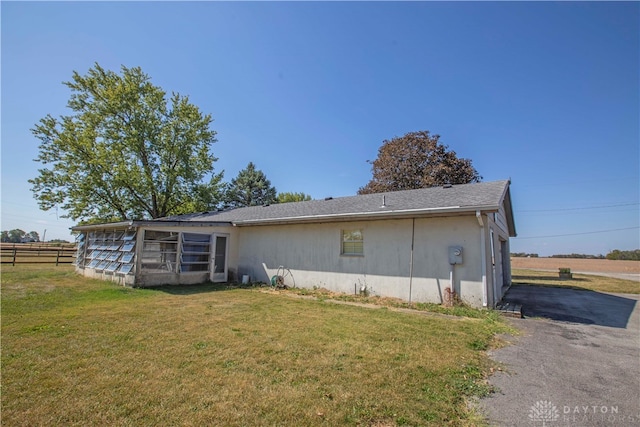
[{"x": 416, "y": 245}]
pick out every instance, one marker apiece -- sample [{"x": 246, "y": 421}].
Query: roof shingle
[{"x": 456, "y": 198}]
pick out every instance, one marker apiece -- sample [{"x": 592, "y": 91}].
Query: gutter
[
  {"x": 87, "y": 227},
  {"x": 354, "y": 216},
  {"x": 332, "y": 217},
  {"x": 133, "y": 223}
]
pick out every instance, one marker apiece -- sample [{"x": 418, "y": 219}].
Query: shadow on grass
[
  {"x": 202, "y": 288},
  {"x": 568, "y": 304}
]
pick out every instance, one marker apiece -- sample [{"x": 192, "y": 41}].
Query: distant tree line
[
  {"x": 578, "y": 256},
  {"x": 617, "y": 254},
  {"x": 19, "y": 236}
]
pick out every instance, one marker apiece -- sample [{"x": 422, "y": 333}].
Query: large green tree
[
  {"x": 126, "y": 151},
  {"x": 617, "y": 254},
  {"x": 417, "y": 160},
  {"x": 250, "y": 188}
]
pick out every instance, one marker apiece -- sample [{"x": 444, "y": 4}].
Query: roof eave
[
  {"x": 358, "y": 216},
  {"x": 114, "y": 225},
  {"x": 147, "y": 223},
  {"x": 511, "y": 223}
]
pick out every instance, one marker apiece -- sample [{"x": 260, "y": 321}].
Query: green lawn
[
  {"x": 579, "y": 281},
  {"x": 84, "y": 352}
]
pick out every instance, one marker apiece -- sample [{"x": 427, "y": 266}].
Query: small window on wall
[{"x": 352, "y": 243}]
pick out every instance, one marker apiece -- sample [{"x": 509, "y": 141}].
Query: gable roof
[{"x": 436, "y": 201}]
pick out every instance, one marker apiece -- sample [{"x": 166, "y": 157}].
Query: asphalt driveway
[{"x": 575, "y": 363}]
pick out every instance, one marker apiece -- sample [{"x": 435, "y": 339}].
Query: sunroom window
[
  {"x": 81, "y": 244},
  {"x": 159, "y": 251},
  {"x": 196, "y": 250},
  {"x": 104, "y": 251}
]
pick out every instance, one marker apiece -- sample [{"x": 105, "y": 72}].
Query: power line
[
  {"x": 579, "y": 234},
  {"x": 581, "y": 182},
  {"x": 581, "y": 208}
]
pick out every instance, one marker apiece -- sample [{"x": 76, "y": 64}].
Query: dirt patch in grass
[
  {"x": 321, "y": 294},
  {"x": 84, "y": 352}
]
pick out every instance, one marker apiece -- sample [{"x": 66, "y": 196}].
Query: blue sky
[{"x": 546, "y": 94}]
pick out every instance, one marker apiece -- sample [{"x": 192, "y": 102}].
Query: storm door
[{"x": 219, "y": 271}]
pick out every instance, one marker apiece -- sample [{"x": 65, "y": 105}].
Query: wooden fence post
[{"x": 14, "y": 256}]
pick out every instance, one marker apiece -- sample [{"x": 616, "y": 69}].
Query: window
[
  {"x": 125, "y": 268},
  {"x": 104, "y": 249},
  {"x": 128, "y": 246},
  {"x": 352, "y": 243},
  {"x": 195, "y": 252},
  {"x": 172, "y": 251},
  {"x": 81, "y": 250},
  {"x": 159, "y": 251},
  {"x": 112, "y": 267}
]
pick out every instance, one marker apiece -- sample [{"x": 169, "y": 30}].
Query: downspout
[
  {"x": 413, "y": 233},
  {"x": 138, "y": 257},
  {"x": 483, "y": 255}
]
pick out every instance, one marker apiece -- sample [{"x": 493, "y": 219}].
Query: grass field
[
  {"x": 576, "y": 264},
  {"x": 84, "y": 352},
  {"x": 579, "y": 281}
]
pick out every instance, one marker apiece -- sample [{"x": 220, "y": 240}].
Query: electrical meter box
[{"x": 455, "y": 255}]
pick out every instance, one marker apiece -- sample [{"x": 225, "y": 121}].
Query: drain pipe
[
  {"x": 413, "y": 233},
  {"x": 483, "y": 254}
]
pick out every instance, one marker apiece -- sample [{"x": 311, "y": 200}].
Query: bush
[{"x": 624, "y": 255}]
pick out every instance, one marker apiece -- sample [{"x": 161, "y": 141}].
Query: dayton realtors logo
[{"x": 545, "y": 412}]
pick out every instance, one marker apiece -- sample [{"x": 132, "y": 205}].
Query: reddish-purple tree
[{"x": 417, "y": 160}]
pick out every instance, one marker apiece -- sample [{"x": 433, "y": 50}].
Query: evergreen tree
[
  {"x": 250, "y": 188},
  {"x": 293, "y": 197}
]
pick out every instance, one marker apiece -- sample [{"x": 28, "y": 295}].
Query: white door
[{"x": 219, "y": 271}]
